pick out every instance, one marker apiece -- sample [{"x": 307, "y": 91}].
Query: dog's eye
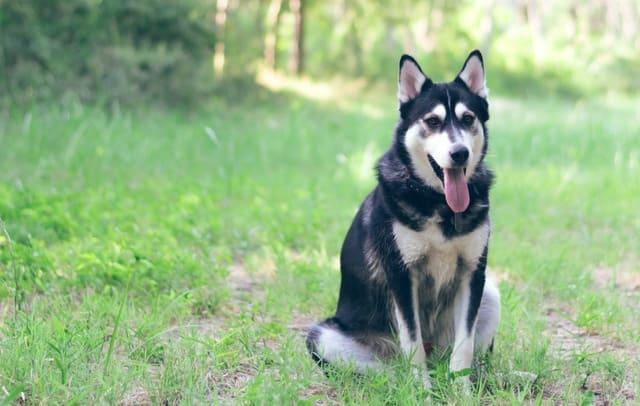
[
  {"x": 433, "y": 122},
  {"x": 468, "y": 119}
]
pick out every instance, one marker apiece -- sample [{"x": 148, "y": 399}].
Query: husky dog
[{"x": 413, "y": 261}]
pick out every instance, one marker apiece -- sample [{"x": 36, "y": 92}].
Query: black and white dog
[{"x": 413, "y": 262}]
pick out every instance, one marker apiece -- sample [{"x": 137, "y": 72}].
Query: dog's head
[{"x": 443, "y": 124}]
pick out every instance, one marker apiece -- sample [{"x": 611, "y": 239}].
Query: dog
[{"x": 413, "y": 263}]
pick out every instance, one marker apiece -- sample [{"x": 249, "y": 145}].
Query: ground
[{"x": 164, "y": 257}]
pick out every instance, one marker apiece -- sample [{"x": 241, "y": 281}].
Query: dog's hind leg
[
  {"x": 328, "y": 343},
  {"x": 488, "y": 317}
]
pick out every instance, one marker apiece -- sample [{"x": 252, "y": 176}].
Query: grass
[{"x": 121, "y": 230}]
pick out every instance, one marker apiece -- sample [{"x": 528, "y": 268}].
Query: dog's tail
[
  {"x": 313, "y": 340},
  {"x": 329, "y": 342}
]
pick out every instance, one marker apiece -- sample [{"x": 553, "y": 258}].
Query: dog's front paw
[
  {"x": 463, "y": 385},
  {"x": 422, "y": 375}
]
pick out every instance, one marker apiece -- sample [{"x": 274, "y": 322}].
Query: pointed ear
[
  {"x": 472, "y": 74},
  {"x": 410, "y": 79}
]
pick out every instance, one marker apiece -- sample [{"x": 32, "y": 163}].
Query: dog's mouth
[
  {"x": 456, "y": 191},
  {"x": 436, "y": 168}
]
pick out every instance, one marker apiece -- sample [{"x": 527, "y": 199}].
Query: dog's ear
[
  {"x": 472, "y": 74},
  {"x": 410, "y": 79}
]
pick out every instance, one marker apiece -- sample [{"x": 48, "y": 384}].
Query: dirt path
[{"x": 566, "y": 339}]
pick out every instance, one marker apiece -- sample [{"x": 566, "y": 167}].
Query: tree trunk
[
  {"x": 629, "y": 20},
  {"x": 271, "y": 36},
  {"x": 296, "y": 61},
  {"x": 537, "y": 31},
  {"x": 488, "y": 29},
  {"x": 220, "y": 20}
]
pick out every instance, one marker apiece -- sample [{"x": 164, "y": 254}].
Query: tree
[
  {"x": 271, "y": 33},
  {"x": 220, "y": 20},
  {"x": 296, "y": 60}
]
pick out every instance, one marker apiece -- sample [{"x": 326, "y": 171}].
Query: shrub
[{"x": 116, "y": 50}]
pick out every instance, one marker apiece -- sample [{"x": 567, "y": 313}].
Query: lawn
[{"x": 165, "y": 257}]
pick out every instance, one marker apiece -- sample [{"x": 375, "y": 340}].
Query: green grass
[{"x": 122, "y": 227}]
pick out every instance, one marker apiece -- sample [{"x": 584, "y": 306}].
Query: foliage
[
  {"x": 161, "y": 50},
  {"x": 530, "y": 46},
  {"x": 105, "y": 50}
]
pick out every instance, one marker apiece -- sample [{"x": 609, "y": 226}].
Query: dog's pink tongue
[{"x": 456, "y": 191}]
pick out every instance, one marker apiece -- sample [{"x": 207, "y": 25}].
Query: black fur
[
  {"x": 364, "y": 306},
  {"x": 477, "y": 285}
]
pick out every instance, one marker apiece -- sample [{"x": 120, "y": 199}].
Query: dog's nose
[{"x": 459, "y": 154}]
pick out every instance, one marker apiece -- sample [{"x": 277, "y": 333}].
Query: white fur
[
  {"x": 413, "y": 349},
  {"x": 488, "y": 316},
  {"x": 334, "y": 346},
  {"x": 438, "y": 145},
  {"x": 410, "y": 81},
  {"x": 403, "y": 331},
  {"x": 473, "y": 142},
  {"x": 415, "y": 145},
  {"x": 460, "y": 109},
  {"x": 462, "y": 351},
  {"x": 438, "y": 111},
  {"x": 473, "y": 76},
  {"x": 442, "y": 253}
]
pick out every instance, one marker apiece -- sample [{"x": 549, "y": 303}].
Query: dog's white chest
[{"x": 441, "y": 254}]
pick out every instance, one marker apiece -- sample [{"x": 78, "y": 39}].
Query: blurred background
[{"x": 178, "y": 52}]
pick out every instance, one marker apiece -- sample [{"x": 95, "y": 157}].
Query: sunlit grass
[{"x": 167, "y": 203}]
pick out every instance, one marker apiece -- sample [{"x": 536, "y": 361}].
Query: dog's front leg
[
  {"x": 407, "y": 317},
  {"x": 465, "y": 312},
  {"x": 464, "y": 334}
]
